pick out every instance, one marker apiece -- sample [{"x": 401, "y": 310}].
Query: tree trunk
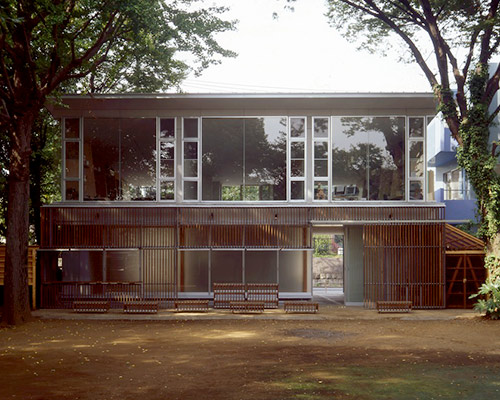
[
  {"x": 16, "y": 308},
  {"x": 493, "y": 257}
]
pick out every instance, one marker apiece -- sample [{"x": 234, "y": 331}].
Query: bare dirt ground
[{"x": 251, "y": 359}]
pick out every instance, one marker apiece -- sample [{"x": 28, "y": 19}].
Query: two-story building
[{"x": 165, "y": 194}]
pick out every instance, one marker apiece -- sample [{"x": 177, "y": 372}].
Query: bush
[
  {"x": 491, "y": 304},
  {"x": 322, "y": 245}
]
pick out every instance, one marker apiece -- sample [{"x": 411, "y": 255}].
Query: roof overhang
[{"x": 392, "y": 103}]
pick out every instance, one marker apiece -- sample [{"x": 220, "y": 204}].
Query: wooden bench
[
  {"x": 91, "y": 306},
  {"x": 394, "y": 306},
  {"x": 254, "y": 307},
  {"x": 225, "y": 293},
  {"x": 140, "y": 306},
  {"x": 191, "y": 305},
  {"x": 305, "y": 307},
  {"x": 264, "y": 292}
]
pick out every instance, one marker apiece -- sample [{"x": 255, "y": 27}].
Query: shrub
[{"x": 491, "y": 304}]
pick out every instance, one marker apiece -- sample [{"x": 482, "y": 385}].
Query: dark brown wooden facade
[{"x": 403, "y": 245}]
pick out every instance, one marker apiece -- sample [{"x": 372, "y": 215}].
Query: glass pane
[
  {"x": 119, "y": 159},
  {"x": 244, "y": 158},
  {"x": 167, "y": 150},
  {"x": 297, "y": 127},
  {"x": 416, "y": 159},
  {"x": 265, "y": 158},
  {"x": 226, "y": 267},
  {"x": 72, "y": 128},
  {"x": 321, "y": 168},
  {"x": 167, "y": 190},
  {"x": 222, "y": 160},
  {"x": 138, "y": 159},
  {"x": 261, "y": 267},
  {"x": 297, "y": 167},
  {"x": 122, "y": 266},
  {"x": 320, "y": 127},
  {"x": 167, "y": 127},
  {"x": 297, "y": 189},
  {"x": 72, "y": 159},
  {"x": 294, "y": 271},
  {"x": 297, "y": 150},
  {"x": 167, "y": 162},
  {"x": 82, "y": 266},
  {"x": 349, "y": 158},
  {"x": 386, "y": 157},
  {"x": 191, "y": 150},
  {"x": 101, "y": 159},
  {"x": 416, "y": 190},
  {"x": 368, "y": 158},
  {"x": 321, "y": 150},
  {"x": 191, "y": 168},
  {"x": 191, "y": 127},
  {"x": 190, "y": 190},
  {"x": 321, "y": 190},
  {"x": 72, "y": 190},
  {"x": 417, "y": 127},
  {"x": 193, "y": 271}
]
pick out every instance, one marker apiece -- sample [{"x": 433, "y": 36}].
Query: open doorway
[{"x": 328, "y": 264}]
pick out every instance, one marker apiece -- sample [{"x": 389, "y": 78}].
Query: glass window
[
  {"x": 297, "y": 190},
  {"x": 297, "y": 127},
  {"x": 320, "y": 127},
  {"x": 193, "y": 271},
  {"x": 167, "y": 190},
  {"x": 190, "y": 190},
  {"x": 122, "y": 266},
  {"x": 416, "y": 190},
  {"x": 119, "y": 159},
  {"x": 191, "y": 159},
  {"x": 72, "y": 160},
  {"x": 244, "y": 159},
  {"x": 261, "y": 267},
  {"x": 72, "y": 128},
  {"x": 72, "y": 190},
  {"x": 416, "y": 127},
  {"x": 416, "y": 159},
  {"x": 190, "y": 127},
  {"x": 82, "y": 266},
  {"x": 167, "y": 128},
  {"x": 321, "y": 190},
  {"x": 226, "y": 267},
  {"x": 321, "y": 159},
  {"x": 368, "y": 158},
  {"x": 167, "y": 159}
]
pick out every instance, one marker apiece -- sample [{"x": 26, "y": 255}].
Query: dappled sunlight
[{"x": 219, "y": 334}]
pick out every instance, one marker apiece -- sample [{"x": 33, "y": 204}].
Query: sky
[{"x": 297, "y": 52}]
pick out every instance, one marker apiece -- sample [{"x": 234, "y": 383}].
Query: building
[{"x": 163, "y": 195}]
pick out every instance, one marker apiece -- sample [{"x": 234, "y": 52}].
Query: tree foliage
[
  {"x": 461, "y": 36},
  {"x": 49, "y": 46}
]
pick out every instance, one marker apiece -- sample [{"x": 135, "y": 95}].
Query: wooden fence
[{"x": 31, "y": 270}]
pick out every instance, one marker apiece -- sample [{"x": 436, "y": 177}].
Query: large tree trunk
[{"x": 16, "y": 308}]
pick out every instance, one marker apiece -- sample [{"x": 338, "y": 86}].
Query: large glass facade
[
  {"x": 119, "y": 159},
  {"x": 368, "y": 156},
  {"x": 244, "y": 159}
]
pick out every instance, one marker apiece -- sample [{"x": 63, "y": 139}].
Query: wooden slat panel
[{"x": 404, "y": 263}]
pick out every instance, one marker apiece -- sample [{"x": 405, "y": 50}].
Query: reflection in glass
[
  {"x": 297, "y": 190},
  {"x": 190, "y": 190},
  {"x": 244, "y": 159},
  {"x": 416, "y": 190},
  {"x": 82, "y": 266},
  {"x": 297, "y": 127},
  {"x": 320, "y": 127},
  {"x": 72, "y": 190},
  {"x": 321, "y": 190},
  {"x": 416, "y": 159},
  {"x": 167, "y": 190},
  {"x": 368, "y": 158},
  {"x": 416, "y": 127},
  {"x": 297, "y": 168},
  {"x": 167, "y": 161},
  {"x": 297, "y": 150},
  {"x": 119, "y": 159},
  {"x": 72, "y": 159},
  {"x": 167, "y": 128},
  {"x": 190, "y": 127},
  {"x": 226, "y": 267},
  {"x": 193, "y": 271},
  {"x": 72, "y": 128},
  {"x": 261, "y": 267}
]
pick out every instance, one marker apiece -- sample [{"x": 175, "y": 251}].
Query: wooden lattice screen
[{"x": 404, "y": 262}]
